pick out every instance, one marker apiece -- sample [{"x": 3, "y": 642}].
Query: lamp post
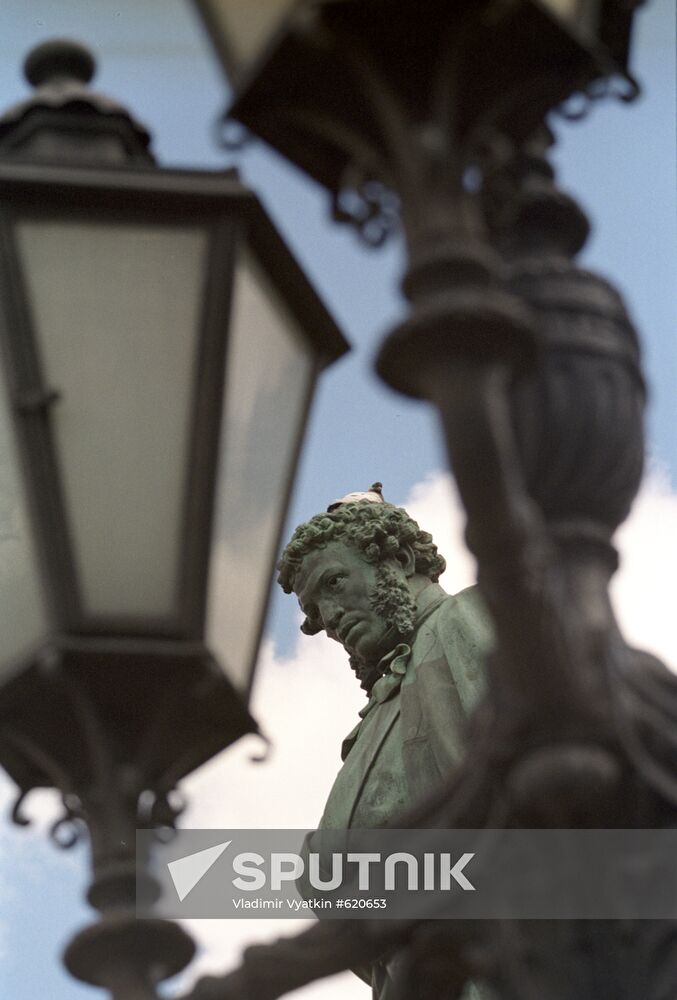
[
  {"x": 160, "y": 349},
  {"x": 432, "y": 116}
]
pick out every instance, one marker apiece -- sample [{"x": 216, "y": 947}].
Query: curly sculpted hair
[{"x": 378, "y": 530}]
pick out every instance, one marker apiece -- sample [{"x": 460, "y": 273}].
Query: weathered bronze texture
[{"x": 366, "y": 574}]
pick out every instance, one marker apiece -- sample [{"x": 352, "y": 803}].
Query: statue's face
[{"x": 340, "y": 590}]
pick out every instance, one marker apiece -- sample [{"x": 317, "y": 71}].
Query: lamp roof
[{"x": 60, "y": 70}]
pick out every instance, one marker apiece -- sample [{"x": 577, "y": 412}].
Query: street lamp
[{"x": 160, "y": 349}]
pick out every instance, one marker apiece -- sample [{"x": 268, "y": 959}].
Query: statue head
[{"x": 356, "y": 571}]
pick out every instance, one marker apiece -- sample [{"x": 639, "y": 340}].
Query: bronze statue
[{"x": 366, "y": 574}]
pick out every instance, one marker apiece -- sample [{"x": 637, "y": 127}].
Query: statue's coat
[{"x": 412, "y": 731}]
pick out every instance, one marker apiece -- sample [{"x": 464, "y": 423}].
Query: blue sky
[{"x": 620, "y": 163}]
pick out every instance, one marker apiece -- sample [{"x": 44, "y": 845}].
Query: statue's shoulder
[
  {"x": 459, "y": 636},
  {"x": 462, "y": 619}
]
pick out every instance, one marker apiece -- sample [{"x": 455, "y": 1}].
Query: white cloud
[
  {"x": 436, "y": 505},
  {"x": 307, "y": 703},
  {"x": 643, "y": 590}
]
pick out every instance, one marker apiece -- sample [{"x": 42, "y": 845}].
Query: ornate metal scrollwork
[
  {"x": 229, "y": 135},
  {"x": 165, "y": 810},
  {"x": 108, "y": 801},
  {"x": 580, "y": 104},
  {"x": 17, "y": 814},
  {"x": 367, "y": 205},
  {"x": 67, "y": 830}
]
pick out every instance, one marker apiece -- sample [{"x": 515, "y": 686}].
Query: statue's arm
[
  {"x": 320, "y": 843},
  {"x": 269, "y": 971}
]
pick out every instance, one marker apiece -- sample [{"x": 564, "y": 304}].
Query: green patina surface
[{"x": 367, "y": 575}]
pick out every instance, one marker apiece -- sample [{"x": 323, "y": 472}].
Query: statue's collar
[
  {"x": 428, "y": 600},
  {"x": 393, "y": 668}
]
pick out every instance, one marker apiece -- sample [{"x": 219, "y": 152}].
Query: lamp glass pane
[
  {"x": 116, "y": 307},
  {"x": 243, "y": 28},
  {"x": 580, "y": 16},
  {"x": 568, "y": 9},
  {"x": 23, "y": 615},
  {"x": 268, "y": 377}
]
